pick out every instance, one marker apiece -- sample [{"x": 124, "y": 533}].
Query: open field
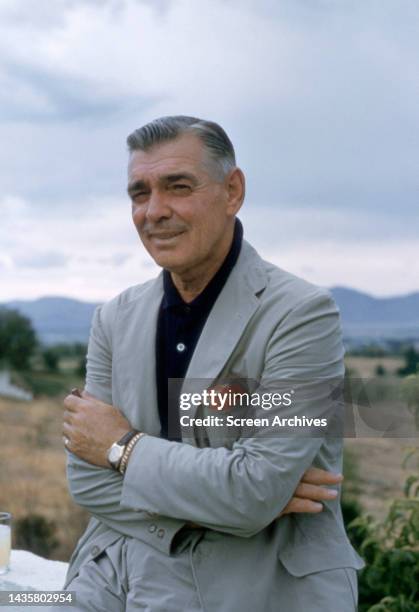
[
  {"x": 379, "y": 476},
  {"x": 32, "y": 475},
  {"x": 365, "y": 366},
  {"x": 32, "y": 459}
]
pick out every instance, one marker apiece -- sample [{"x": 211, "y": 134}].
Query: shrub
[
  {"x": 36, "y": 534},
  {"x": 390, "y": 580},
  {"x": 17, "y": 339}
]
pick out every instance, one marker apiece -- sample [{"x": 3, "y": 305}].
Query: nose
[{"x": 157, "y": 208}]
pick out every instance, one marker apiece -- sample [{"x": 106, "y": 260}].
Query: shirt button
[
  {"x": 95, "y": 550},
  {"x": 180, "y": 347},
  {"x": 152, "y": 528},
  {"x": 160, "y": 533}
]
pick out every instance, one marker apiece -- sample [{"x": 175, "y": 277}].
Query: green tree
[
  {"x": 411, "y": 362},
  {"x": 17, "y": 339},
  {"x": 51, "y": 359},
  {"x": 380, "y": 370},
  {"x": 81, "y": 367}
]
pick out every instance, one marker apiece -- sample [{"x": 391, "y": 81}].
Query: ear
[{"x": 236, "y": 188}]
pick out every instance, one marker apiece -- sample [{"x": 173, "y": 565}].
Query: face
[{"x": 182, "y": 213}]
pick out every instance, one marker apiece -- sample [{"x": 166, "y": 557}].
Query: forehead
[{"x": 185, "y": 153}]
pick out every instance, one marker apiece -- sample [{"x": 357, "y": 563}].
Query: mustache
[{"x": 162, "y": 228}]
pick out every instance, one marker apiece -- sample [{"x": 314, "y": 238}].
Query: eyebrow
[{"x": 163, "y": 180}]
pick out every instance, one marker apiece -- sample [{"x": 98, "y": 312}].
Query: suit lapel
[
  {"x": 227, "y": 321},
  {"x": 134, "y": 354}
]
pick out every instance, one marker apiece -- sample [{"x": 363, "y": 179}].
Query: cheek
[{"x": 137, "y": 217}]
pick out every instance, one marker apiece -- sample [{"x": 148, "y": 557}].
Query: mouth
[{"x": 164, "y": 235}]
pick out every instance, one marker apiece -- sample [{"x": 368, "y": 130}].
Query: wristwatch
[{"x": 117, "y": 449}]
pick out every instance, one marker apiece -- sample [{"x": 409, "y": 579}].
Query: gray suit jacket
[{"x": 266, "y": 325}]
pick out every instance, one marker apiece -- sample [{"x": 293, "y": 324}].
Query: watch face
[{"x": 115, "y": 453}]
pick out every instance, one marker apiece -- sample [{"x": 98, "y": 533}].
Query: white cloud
[
  {"x": 320, "y": 100},
  {"x": 96, "y": 253},
  {"x": 40, "y": 259}
]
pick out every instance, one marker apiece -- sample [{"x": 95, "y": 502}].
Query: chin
[{"x": 169, "y": 261}]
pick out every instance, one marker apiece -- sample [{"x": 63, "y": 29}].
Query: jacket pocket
[
  {"x": 87, "y": 549},
  {"x": 319, "y": 554}
]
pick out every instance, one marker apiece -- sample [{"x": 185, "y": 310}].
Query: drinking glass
[{"x": 5, "y": 540}]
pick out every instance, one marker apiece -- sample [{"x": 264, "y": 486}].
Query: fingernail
[
  {"x": 333, "y": 493},
  {"x": 318, "y": 506}
]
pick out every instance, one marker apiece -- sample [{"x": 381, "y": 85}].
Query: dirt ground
[
  {"x": 379, "y": 476},
  {"x": 377, "y": 461},
  {"x": 366, "y": 366}
]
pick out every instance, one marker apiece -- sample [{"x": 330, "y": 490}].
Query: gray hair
[{"x": 214, "y": 138}]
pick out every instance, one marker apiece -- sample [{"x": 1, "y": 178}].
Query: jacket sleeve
[
  {"x": 241, "y": 490},
  {"x": 94, "y": 488}
]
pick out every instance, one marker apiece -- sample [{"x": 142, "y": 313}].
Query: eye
[
  {"x": 181, "y": 188},
  {"x": 140, "y": 196}
]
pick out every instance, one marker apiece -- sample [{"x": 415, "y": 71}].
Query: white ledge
[{"x": 28, "y": 572}]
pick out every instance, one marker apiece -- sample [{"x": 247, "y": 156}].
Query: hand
[
  {"x": 311, "y": 491},
  {"x": 91, "y": 427}
]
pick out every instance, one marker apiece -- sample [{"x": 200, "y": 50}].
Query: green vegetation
[
  {"x": 368, "y": 350},
  {"x": 45, "y": 371},
  {"x": 411, "y": 362},
  {"x": 390, "y": 580},
  {"x": 380, "y": 370},
  {"x": 410, "y": 392},
  {"x": 51, "y": 359},
  {"x": 36, "y": 534},
  {"x": 17, "y": 339},
  {"x": 43, "y": 383},
  {"x": 56, "y": 369}
]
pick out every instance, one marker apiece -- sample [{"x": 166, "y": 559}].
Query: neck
[{"x": 193, "y": 281}]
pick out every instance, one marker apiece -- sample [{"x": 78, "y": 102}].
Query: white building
[{"x": 7, "y": 389}]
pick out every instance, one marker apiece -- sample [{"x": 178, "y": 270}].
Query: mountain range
[{"x": 364, "y": 317}]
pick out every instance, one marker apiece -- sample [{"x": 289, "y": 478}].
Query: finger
[
  {"x": 314, "y": 492},
  {"x": 317, "y": 476},
  {"x": 299, "y": 505},
  {"x": 68, "y": 416},
  {"x": 67, "y": 430},
  {"x": 72, "y": 403}
]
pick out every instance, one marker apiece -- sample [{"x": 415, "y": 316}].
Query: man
[{"x": 201, "y": 518}]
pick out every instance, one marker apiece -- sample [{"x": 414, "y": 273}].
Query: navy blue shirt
[{"x": 178, "y": 329}]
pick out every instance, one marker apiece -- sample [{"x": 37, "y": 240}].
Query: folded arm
[
  {"x": 243, "y": 489},
  {"x": 238, "y": 490},
  {"x": 99, "y": 489}
]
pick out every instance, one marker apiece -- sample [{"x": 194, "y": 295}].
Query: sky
[{"x": 320, "y": 98}]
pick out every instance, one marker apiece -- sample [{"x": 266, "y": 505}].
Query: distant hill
[
  {"x": 59, "y": 319},
  {"x": 364, "y": 316}
]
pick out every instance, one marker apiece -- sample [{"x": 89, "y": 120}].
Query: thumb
[{"x": 86, "y": 395}]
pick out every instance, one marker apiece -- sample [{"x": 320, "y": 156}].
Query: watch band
[
  {"x": 127, "y": 437},
  {"x": 128, "y": 450},
  {"x": 120, "y": 446}
]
